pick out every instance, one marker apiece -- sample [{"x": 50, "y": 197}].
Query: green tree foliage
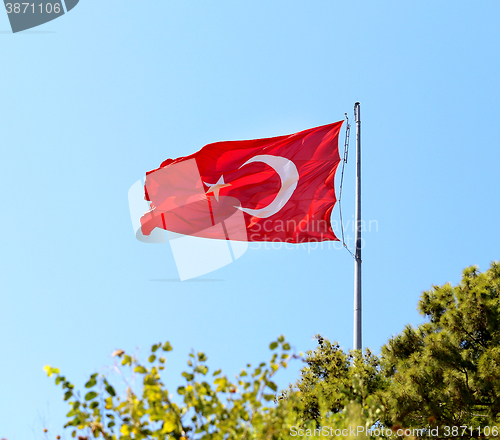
[
  {"x": 207, "y": 406},
  {"x": 446, "y": 372},
  {"x": 335, "y": 378},
  {"x": 235, "y": 408}
]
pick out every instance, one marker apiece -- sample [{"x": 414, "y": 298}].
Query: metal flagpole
[{"x": 357, "y": 254}]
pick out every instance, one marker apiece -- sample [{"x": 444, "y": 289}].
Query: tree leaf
[
  {"x": 90, "y": 383},
  {"x": 167, "y": 346},
  {"x": 111, "y": 391},
  {"x": 272, "y": 385},
  {"x": 90, "y": 395}
]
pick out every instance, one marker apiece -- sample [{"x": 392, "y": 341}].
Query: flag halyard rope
[{"x": 344, "y": 161}]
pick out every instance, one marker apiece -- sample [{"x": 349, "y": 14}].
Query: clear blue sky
[{"x": 94, "y": 99}]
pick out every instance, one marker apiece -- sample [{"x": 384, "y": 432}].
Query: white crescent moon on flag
[{"x": 289, "y": 176}]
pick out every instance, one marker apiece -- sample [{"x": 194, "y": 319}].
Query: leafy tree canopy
[
  {"x": 447, "y": 371},
  {"x": 207, "y": 406},
  {"x": 335, "y": 378}
]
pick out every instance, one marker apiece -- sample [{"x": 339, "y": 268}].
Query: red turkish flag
[{"x": 275, "y": 189}]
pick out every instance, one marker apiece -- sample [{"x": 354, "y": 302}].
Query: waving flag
[{"x": 277, "y": 189}]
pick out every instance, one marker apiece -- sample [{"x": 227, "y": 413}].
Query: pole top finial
[{"x": 356, "y": 111}]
